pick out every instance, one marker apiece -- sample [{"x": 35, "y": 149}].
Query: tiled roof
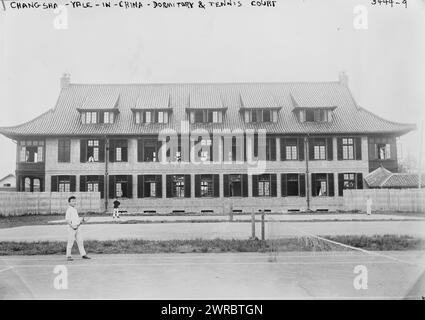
[
  {"x": 403, "y": 180},
  {"x": 347, "y": 118},
  {"x": 153, "y": 98},
  {"x": 98, "y": 101},
  {"x": 382, "y": 178},
  {"x": 206, "y": 98},
  {"x": 377, "y": 177}
]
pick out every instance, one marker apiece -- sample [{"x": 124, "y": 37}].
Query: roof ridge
[{"x": 202, "y": 83}]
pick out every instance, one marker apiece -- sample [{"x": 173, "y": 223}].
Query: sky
[{"x": 297, "y": 40}]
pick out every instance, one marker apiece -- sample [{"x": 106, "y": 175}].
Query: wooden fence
[
  {"x": 22, "y": 203},
  {"x": 401, "y": 200}
]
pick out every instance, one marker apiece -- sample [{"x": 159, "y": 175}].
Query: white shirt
[{"x": 72, "y": 215}]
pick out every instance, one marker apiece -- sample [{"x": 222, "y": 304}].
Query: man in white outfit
[{"x": 74, "y": 233}]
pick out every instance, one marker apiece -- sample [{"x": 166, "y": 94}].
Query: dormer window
[
  {"x": 151, "y": 116},
  {"x": 317, "y": 115},
  {"x": 260, "y": 115},
  {"x": 96, "y": 117},
  {"x": 206, "y": 116}
]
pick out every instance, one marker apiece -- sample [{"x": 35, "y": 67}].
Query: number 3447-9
[{"x": 391, "y": 3}]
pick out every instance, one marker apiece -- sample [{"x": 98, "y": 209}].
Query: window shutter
[
  {"x": 284, "y": 187},
  {"x": 124, "y": 151},
  {"x": 331, "y": 185},
  {"x": 197, "y": 186},
  {"x": 282, "y": 149},
  {"x": 254, "y": 185},
  {"x": 313, "y": 185},
  {"x": 216, "y": 185},
  {"x": 274, "y": 115},
  {"x": 111, "y": 187},
  {"x": 358, "y": 146},
  {"x": 302, "y": 184},
  {"x": 54, "y": 186},
  {"x": 101, "y": 117},
  {"x": 129, "y": 186},
  {"x": 83, "y": 180},
  {"x": 273, "y": 149},
  {"x": 329, "y": 148},
  {"x": 388, "y": 150},
  {"x": 159, "y": 186},
  {"x": 187, "y": 186},
  {"x": 169, "y": 186},
  {"x": 73, "y": 183},
  {"x": 192, "y": 117},
  {"x": 101, "y": 180},
  {"x": 301, "y": 151},
  {"x": 140, "y": 184},
  {"x": 302, "y": 115},
  {"x": 101, "y": 150},
  {"x": 226, "y": 185},
  {"x": 359, "y": 177},
  {"x": 339, "y": 148},
  {"x": 244, "y": 185},
  {"x": 340, "y": 184},
  {"x": 311, "y": 149},
  {"x": 111, "y": 150},
  {"x": 140, "y": 150},
  {"x": 274, "y": 185},
  {"x": 83, "y": 151},
  {"x": 247, "y": 116}
]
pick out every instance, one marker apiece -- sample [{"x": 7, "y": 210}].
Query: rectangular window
[
  {"x": 293, "y": 185},
  {"x": 148, "y": 117},
  {"x": 64, "y": 185},
  {"x": 291, "y": 152},
  {"x": 199, "y": 116},
  {"x": 383, "y": 151},
  {"x": 151, "y": 186},
  {"x": 178, "y": 186},
  {"x": 235, "y": 185},
  {"x": 108, "y": 117},
  {"x": 267, "y": 117},
  {"x": 319, "y": 149},
  {"x": 347, "y": 148},
  {"x": 118, "y": 150},
  {"x": 316, "y": 115},
  {"x": 118, "y": 154},
  {"x": 322, "y": 184},
  {"x": 92, "y": 186},
  {"x": 148, "y": 150},
  {"x": 64, "y": 150},
  {"x": 31, "y": 151},
  {"x": 90, "y": 117},
  {"x": 160, "y": 117},
  {"x": 138, "y": 117},
  {"x": 92, "y": 150},
  {"x": 349, "y": 181},
  {"x": 122, "y": 186},
  {"x": 207, "y": 188},
  {"x": 204, "y": 154},
  {"x": 264, "y": 185}
]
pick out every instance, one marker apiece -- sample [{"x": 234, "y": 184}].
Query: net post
[
  {"x": 263, "y": 225},
  {"x": 252, "y": 224}
]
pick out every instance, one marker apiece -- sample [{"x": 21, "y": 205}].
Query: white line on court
[{"x": 6, "y": 269}]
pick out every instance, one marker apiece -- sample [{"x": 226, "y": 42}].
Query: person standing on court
[{"x": 74, "y": 232}]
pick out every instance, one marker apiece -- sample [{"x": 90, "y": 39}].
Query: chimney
[
  {"x": 343, "y": 78},
  {"x": 65, "y": 80}
]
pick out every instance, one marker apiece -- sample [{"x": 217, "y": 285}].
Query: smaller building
[
  {"x": 385, "y": 179},
  {"x": 8, "y": 183}
]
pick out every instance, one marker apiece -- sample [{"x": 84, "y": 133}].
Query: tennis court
[{"x": 272, "y": 275}]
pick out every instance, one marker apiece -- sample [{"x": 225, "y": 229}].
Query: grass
[{"x": 372, "y": 243}]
